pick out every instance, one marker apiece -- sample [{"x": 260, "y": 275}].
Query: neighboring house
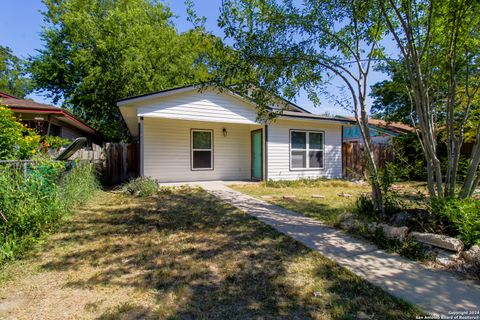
[
  {"x": 191, "y": 135},
  {"x": 381, "y": 131},
  {"x": 49, "y": 120}
]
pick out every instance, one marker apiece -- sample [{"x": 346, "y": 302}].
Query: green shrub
[
  {"x": 141, "y": 187},
  {"x": 32, "y": 201},
  {"x": 462, "y": 217},
  {"x": 365, "y": 206},
  {"x": 16, "y": 140},
  {"x": 54, "y": 142}
]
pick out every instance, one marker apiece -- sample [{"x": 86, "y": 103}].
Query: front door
[{"x": 257, "y": 154}]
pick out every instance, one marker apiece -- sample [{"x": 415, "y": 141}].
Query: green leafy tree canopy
[
  {"x": 13, "y": 79},
  {"x": 99, "y": 51}
]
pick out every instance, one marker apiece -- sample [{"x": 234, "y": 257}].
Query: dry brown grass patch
[{"x": 182, "y": 254}]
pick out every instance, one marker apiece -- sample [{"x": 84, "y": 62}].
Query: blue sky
[{"x": 20, "y": 30}]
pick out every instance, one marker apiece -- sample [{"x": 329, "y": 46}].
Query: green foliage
[
  {"x": 462, "y": 217},
  {"x": 365, "y": 209},
  {"x": 407, "y": 248},
  {"x": 16, "y": 140},
  {"x": 141, "y": 187},
  {"x": 438, "y": 44},
  {"x": 54, "y": 142},
  {"x": 79, "y": 184},
  {"x": 97, "y": 52},
  {"x": 391, "y": 101},
  {"x": 32, "y": 202},
  {"x": 12, "y": 74},
  {"x": 283, "y": 47},
  {"x": 389, "y": 174},
  {"x": 409, "y": 157},
  {"x": 364, "y": 206},
  {"x": 410, "y": 162},
  {"x": 458, "y": 218}
]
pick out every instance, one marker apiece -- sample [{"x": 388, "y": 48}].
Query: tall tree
[
  {"x": 294, "y": 47},
  {"x": 391, "y": 100},
  {"x": 13, "y": 79},
  {"x": 98, "y": 51},
  {"x": 440, "y": 47}
]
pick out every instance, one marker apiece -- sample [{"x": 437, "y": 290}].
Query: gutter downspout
[{"x": 142, "y": 146}]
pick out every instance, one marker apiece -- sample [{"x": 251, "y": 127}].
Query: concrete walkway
[{"x": 434, "y": 291}]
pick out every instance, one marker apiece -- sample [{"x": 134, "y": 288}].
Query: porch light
[
  {"x": 224, "y": 130},
  {"x": 38, "y": 118}
]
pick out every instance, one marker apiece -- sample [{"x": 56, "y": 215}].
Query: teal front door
[{"x": 257, "y": 154}]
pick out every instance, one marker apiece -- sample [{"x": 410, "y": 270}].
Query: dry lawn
[
  {"x": 326, "y": 209},
  {"x": 181, "y": 255},
  {"x": 339, "y": 196}
]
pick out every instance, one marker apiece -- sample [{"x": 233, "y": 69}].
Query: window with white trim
[
  {"x": 306, "y": 149},
  {"x": 202, "y": 149}
]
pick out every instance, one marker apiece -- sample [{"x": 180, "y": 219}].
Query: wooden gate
[
  {"x": 122, "y": 162},
  {"x": 355, "y": 163}
]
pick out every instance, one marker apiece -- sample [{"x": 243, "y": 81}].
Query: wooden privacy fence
[
  {"x": 122, "y": 162},
  {"x": 355, "y": 163}
]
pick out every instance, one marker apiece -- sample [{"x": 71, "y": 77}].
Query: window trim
[
  {"x": 192, "y": 130},
  {"x": 307, "y": 150}
]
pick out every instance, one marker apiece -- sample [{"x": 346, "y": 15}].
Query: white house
[{"x": 187, "y": 134}]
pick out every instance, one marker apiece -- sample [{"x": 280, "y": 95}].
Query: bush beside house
[
  {"x": 16, "y": 140},
  {"x": 35, "y": 195},
  {"x": 447, "y": 230}
]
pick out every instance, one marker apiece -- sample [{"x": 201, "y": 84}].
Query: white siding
[
  {"x": 279, "y": 150},
  {"x": 166, "y": 150},
  {"x": 208, "y": 105}
]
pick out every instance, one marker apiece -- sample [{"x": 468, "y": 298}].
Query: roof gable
[
  {"x": 145, "y": 97},
  {"x": 190, "y": 104},
  {"x": 203, "y": 103},
  {"x": 29, "y": 106}
]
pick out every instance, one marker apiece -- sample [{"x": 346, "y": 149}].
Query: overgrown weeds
[
  {"x": 321, "y": 182},
  {"x": 33, "y": 200}
]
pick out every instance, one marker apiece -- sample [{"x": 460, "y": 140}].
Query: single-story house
[
  {"x": 187, "y": 134},
  {"x": 381, "y": 131},
  {"x": 49, "y": 120}
]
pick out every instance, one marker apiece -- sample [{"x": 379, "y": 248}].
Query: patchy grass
[
  {"x": 182, "y": 254},
  {"x": 327, "y": 209},
  {"x": 334, "y": 208},
  {"x": 330, "y": 208}
]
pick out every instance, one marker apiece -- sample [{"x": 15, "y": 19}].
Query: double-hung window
[
  {"x": 306, "y": 149},
  {"x": 202, "y": 149}
]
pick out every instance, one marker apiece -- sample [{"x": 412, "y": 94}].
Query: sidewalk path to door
[{"x": 436, "y": 292}]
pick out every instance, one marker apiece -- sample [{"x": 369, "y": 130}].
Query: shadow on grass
[
  {"x": 197, "y": 257},
  {"x": 314, "y": 209}
]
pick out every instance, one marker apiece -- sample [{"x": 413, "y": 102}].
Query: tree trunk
[
  {"x": 476, "y": 183},
  {"x": 427, "y": 134},
  {"x": 372, "y": 166},
  {"x": 470, "y": 181}
]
